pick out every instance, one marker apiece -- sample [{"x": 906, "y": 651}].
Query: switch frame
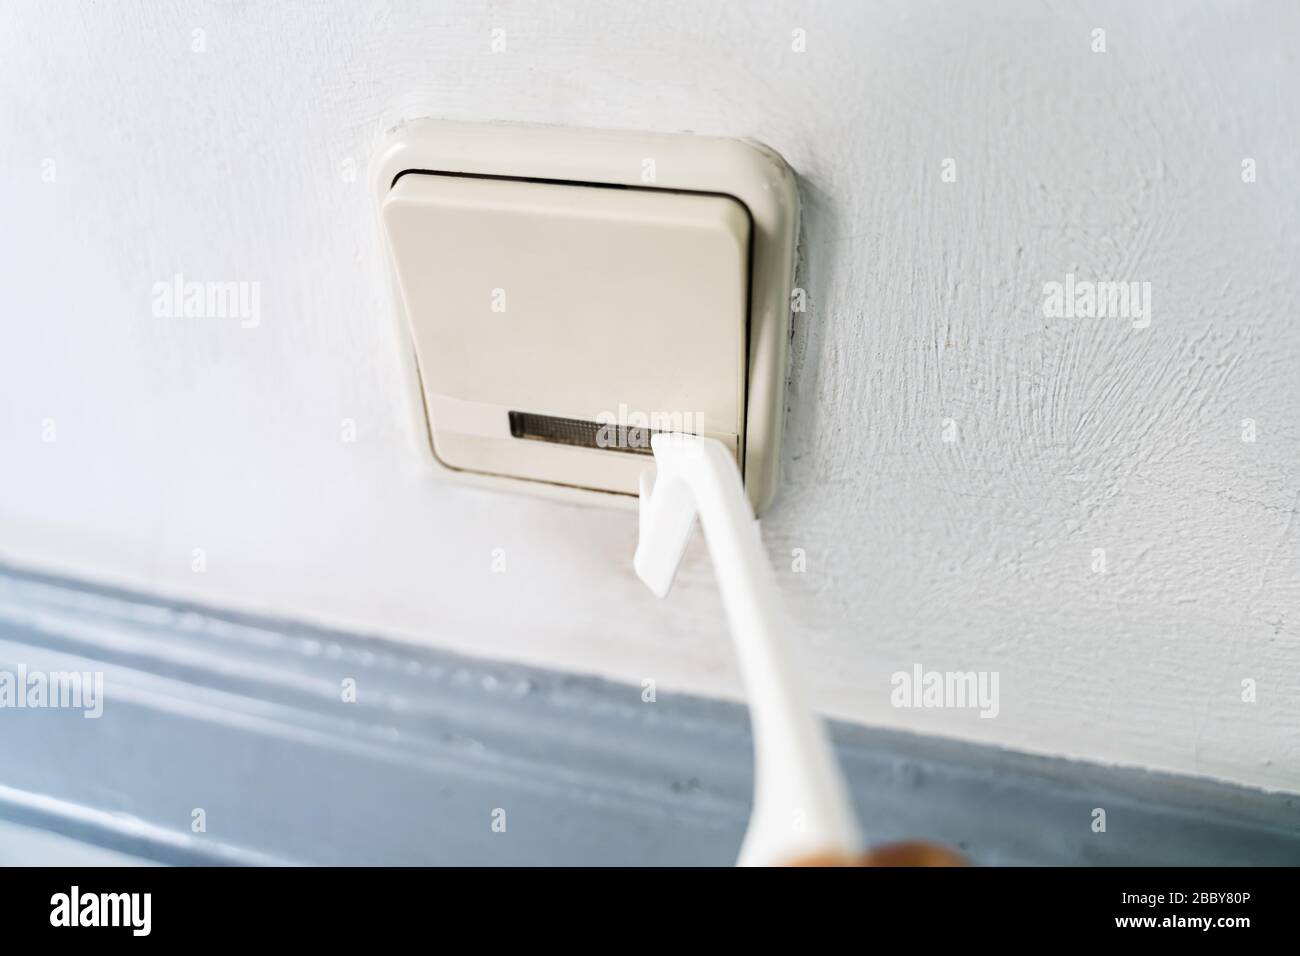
[{"x": 748, "y": 172}]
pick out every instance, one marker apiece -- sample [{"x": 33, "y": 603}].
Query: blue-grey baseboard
[{"x": 244, "y": 719}]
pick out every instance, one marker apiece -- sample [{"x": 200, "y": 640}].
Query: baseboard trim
[{"x": 244, "y": 719}]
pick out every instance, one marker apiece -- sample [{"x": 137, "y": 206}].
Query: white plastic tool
[{"x": 800, "y": 804}]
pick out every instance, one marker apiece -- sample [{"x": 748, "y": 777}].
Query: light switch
[{"x": 561, "y": 310}]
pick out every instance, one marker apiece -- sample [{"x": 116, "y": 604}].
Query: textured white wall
[{"x": 925, "y": 304}]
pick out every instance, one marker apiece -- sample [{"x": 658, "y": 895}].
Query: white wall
[{"x": 925, "y": 304}]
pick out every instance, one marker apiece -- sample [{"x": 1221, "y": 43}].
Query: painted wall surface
[{"x": 1072, "y": 503}]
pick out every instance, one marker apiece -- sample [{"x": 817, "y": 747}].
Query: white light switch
[
  {"x": 558, "y": 320},
  {"x": 575, "y": 302}
]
